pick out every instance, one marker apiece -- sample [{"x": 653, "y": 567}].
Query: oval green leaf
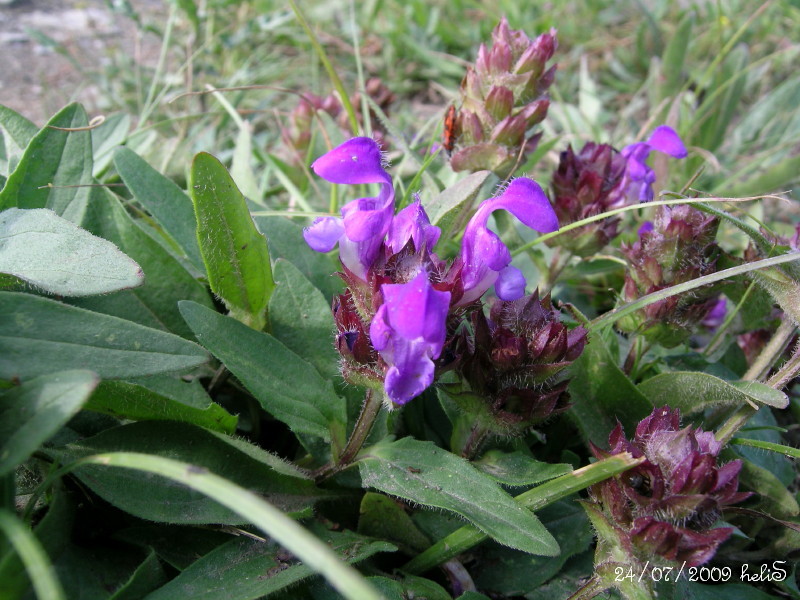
[
  {"x": 233, "y": 250},
  {"x": 423, "y": 473},
  {"x": 59, "y": 257},
  {"x": 40, "y": 336}
]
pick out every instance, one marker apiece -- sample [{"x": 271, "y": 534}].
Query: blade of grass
[
  {"x": 781, "y": 449},
  {"x": 37, "y": 564},
  {"x": 610, "y": 317},
  {"x": 698, "y": 202},
  {"x": 323, "y": 57},
  {"x": 344, "y": 578}
]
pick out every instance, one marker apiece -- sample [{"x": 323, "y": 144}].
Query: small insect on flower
[{"x": 449, "y": 133}]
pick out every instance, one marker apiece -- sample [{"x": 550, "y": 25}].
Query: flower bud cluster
[
  {"x": 510, "y": 363},
  {"x": 667, "y": 505},
  {"x": 677, "y": 247},
  {"x": 598, "y": 179},
  {"x": 296, "y": 135},
  {"x": 502, "y": 98}
]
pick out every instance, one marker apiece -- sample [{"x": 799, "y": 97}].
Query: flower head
[
  {"x": 511, "y": 361},
  {"x": 677, "y": 247},
  {"x": 667, "y": 505},
  {"x": 585, "y": 184},
  {"x": 503, "y": 97},
  {"x": 485, "y": 259},
  {"x": 639, "y": 178}
]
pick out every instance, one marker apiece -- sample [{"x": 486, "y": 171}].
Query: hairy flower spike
[
  {"x": 678, "y": 247},
  {"x": 511, "y": 362},
  {"x": 666, "y": 506},
  {"x": 584, "y": 185},
  {"x": 502, "y": 98}
]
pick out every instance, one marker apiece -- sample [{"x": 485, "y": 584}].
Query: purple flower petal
[
  {"x": 324, "y": 233},
  {"x": 524, "y": 199},
  {"x": 412, "y": 223},
  {"x": 416, "y": 310},
  {"x": 483, "y": 254},
  {"x": 408, "y": 331},
  {"x": 412, "y": 374},
  {"x": 356, "y": 161},
  {"x": 639, "y": 178},
  {"x": 365, "y": 221},
  {"x": 510, "y": 284},
  {"x": 666, "y": 140}
]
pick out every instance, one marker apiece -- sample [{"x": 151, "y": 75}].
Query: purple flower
[
  {"x": 485, "y": 258},
  {"x": 408, "y": 331},
  {"x": 639, "y": 178},
  {"x": 412, "y": 223},
  {"x": 365, "y": 221}
]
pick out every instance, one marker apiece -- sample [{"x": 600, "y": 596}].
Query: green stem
[
  {"x": 758, "y": 370},
  {"x": 366, "y": 418},
  {"x": 473, "y": 442},
  {"x": 787, "y": 372},
  {"x": 344, "y": 97}
]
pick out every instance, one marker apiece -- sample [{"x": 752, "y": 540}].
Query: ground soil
[{"x": 52, "y": 52}]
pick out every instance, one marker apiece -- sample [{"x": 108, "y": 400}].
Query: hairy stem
[{"x": 369, "y": 412}]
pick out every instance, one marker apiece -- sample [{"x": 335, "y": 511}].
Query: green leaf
[
  {"x": 169, "y": 205},
  {"x": 245, "y": 569},
  {"x": 147, "y": 577},
  {"x": 384, "y": 518},
  {"x": 138, "y": 403},
  {"x": 514, "y": 574},
  {"x": 166, "y": 280},
  {"x": 17, "y": 132},
  {"x": 57, "y": 157},
  {"x": 773, "y": 497},
  {"x": 33, "y": 557},
  {"x": 233, "y": 250},
  {"x": 285, "y": 385},
  {"x": 59, "y": 257},
  {"x": 302, "y": 319},
  {"x": 112, "y": 133},
  {"x": 40, "y": 336},
  {"x": 425, "y": 474},
  {"x": 603, "y": 394},
  {"x": 518, "y": 468},
  {"x": 693, "y": 392},
  {"x": 286, "y": 241},
  {"x": 450, "y": 209},
  {"x": 161, "y": 500},
  {"x": 410, "y": 586},
  {"x": 535, "y": 499},
  {"x": 33, "y": 412},
  {"x": 250, "y": 507}
]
